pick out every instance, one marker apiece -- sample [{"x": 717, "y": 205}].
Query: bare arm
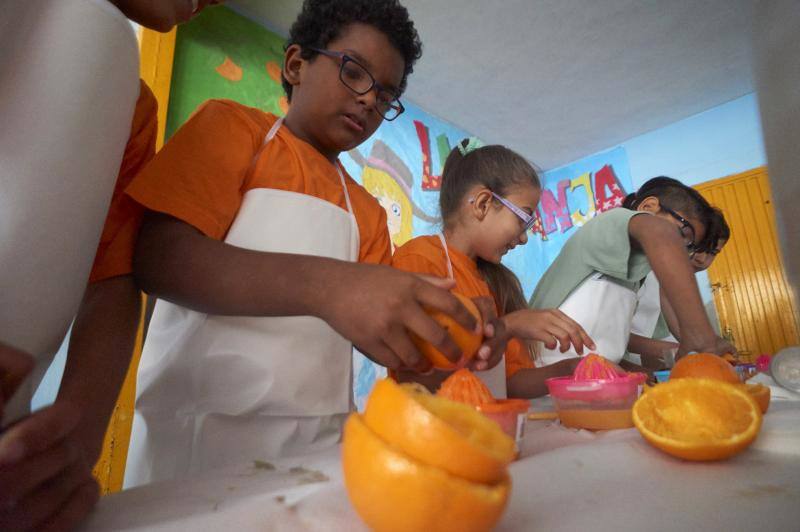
[
  {"x": 45, "y": 478},
  {"x": 669, "y": 315},
  {"x": 100, "y": 349},
  {"x": 528, "y": 383},
  {"x": 373, "y": 306},
  {"x": 649, "y": 348},
  {"x": 669, "y": 260}
]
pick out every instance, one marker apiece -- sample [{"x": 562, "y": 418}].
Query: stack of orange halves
[{"x": 414, "y": 461}]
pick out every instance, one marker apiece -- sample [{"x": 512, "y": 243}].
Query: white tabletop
[{"x": 566, "y": 480}]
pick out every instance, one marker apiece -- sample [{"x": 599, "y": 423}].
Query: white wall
[{"x": 721, "y": 141}]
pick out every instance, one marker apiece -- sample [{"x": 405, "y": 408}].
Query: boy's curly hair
[{"x": 321, "y": 21}]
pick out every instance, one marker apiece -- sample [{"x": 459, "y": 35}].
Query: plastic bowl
[
  {"x": 509, "y": 414},
  {"x": 598, "y": 404}
]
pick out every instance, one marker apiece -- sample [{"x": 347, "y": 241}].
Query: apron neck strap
[
  {"x": 338, "y": 166},
  {"x": 271, "y": 134},
  {"x": 446, "y": 256}
]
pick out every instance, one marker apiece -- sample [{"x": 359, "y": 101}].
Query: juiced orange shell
[{"x": 463, "y": 386}]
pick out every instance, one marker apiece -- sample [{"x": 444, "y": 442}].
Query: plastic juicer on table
[{"x": 598, "y": 396}]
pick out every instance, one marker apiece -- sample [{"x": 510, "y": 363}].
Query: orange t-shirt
[
  {"x": 202, "y": 174},
  {"x": 115, "y": 252},
  {"x": 425, "y": 254}
]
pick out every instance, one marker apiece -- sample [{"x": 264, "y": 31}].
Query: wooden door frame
[{"x": 156, "y": 54}]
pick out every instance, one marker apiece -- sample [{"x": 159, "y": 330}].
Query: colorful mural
[
  {"x": 221, "y": 54},
  {"x": 402, "y": 174},
  {"x": 571, "y": 195}
]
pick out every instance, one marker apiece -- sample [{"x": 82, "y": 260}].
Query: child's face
[
  {"x": 502, "y": 229},
  {"x": 326, "y": 113},
  {"x": 691, "y": 228},
  {"x": 702, "y": 260}
]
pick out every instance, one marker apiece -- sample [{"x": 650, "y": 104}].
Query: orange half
[
  {"x": 439, "y": 432},
  {"x": 698, "y": 419},
  {"x": 704, "y": 366},
  {"x": 761, "y": 394},
  {"x": 468, "y": 341},
  {"x": 393, "y": 492}
]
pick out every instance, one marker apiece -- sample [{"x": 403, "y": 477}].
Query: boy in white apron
[
  {"x": 651, "y": 336},
  {"x": 596, "y": 277},
  {"x": 253, "y": 216}
]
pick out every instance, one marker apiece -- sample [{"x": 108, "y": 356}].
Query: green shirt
[
  {"x": 662, "y": 330},
  {"x": 602, "y": 245}
]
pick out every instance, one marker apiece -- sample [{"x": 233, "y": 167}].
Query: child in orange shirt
[
  {"x": 487, "y": 199},
  {"x": 252, "y": 242}
]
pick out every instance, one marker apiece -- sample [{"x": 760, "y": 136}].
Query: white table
[{"x": 566, "y": 480}]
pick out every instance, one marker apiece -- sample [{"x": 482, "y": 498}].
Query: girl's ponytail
[{"x": 508, "y": 294}]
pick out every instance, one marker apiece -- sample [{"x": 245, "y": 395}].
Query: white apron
[
  {"x": 648, "y": 309},
  {"x": 494, "y": 378},
  {"x": 214, "y": 390},
  {"x": 604, "y": 308}
]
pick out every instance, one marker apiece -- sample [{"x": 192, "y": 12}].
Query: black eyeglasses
[
  {"x": 358, "y": 79},
  {"x": 687, "y": 230}
]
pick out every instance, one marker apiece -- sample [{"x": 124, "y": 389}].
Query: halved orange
[
  {"x": 439, "y": 432},
  {"x": 393, "y": 492},
  {"x": 761, "y": 394},
  {"x": 705, "y": 366},
  {"x": 698, "y": 419},
  {"x": 467, "y": 341}
]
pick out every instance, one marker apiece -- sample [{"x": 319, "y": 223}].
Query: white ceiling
[{"x": 561, "y": 79}]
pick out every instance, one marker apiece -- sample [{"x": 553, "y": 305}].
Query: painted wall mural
[
  {"x": 571, "y": 195},
  {"x": 221, "y": 54}
]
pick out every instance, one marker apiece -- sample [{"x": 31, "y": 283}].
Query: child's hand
[
  {"x": 550, "y": 326},
  {"x": 14, "y": 367},
  {"x": 717, "y": 346},
  {"x": 376, "y": 307},
  {"x": 45, "y": 480},
  {"x": 495, "y": 334}
]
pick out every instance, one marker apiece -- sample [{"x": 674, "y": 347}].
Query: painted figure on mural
[{"x": 389, "y": 179}]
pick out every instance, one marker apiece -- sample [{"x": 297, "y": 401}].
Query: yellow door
[
  {"x": 751, "y": 294},
  {"x": 156, "y": 52}
]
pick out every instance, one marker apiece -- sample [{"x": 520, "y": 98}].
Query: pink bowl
[{"x": 596, "y": 390}]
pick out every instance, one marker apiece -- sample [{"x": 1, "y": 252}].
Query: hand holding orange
[{"x": 468, "y": 341}]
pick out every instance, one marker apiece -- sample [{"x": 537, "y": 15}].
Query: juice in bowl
[{"x": 598, "y": 396}]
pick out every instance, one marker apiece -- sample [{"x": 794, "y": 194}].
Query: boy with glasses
[
  {"x": 252, "y": 241},
  {"x": 596, "y": 277}
]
